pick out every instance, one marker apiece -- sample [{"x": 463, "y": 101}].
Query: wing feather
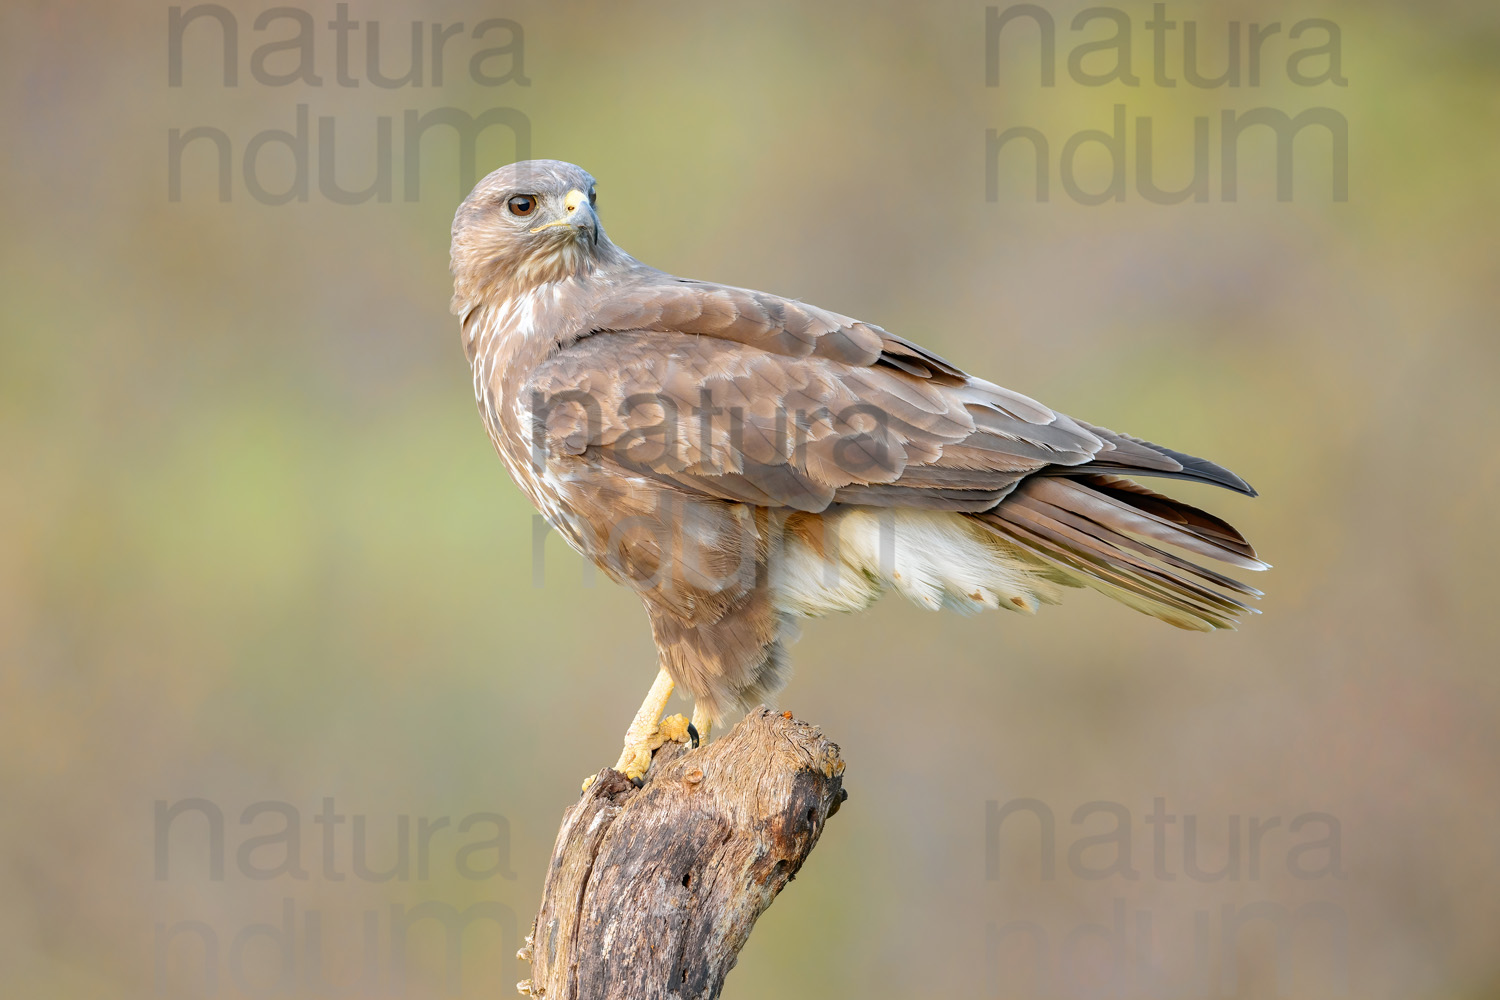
[{"x": 758, "y": 399}]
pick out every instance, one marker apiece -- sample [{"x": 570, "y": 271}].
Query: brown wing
[
  {"x": 658, "y": 302},
  {"x": 748, "y": 397}
]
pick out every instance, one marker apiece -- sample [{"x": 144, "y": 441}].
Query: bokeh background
[{"x": 255, "y": 546}]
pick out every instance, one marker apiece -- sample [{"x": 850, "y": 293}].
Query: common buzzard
[{"x": 743, "y": 460}]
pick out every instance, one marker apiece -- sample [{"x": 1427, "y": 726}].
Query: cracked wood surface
[{"x": 652, "y": 892}]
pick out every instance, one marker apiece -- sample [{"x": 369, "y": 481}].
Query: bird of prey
[{"x": 743, "y": 460}]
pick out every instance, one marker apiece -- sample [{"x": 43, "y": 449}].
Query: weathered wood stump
[{"x": 652, "y": 892}]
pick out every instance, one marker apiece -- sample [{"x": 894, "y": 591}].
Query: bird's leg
[
  {"x": 702, "y": 721},
  {"x": 649, "y": 730}
]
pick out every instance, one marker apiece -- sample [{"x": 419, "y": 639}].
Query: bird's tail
[{"x": 1107, "y": 533}]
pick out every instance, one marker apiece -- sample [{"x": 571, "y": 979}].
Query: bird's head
[{"x": 525, "y": 224}]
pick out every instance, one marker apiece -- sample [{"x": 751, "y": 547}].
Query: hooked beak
[{"x": 578, "y": 214}]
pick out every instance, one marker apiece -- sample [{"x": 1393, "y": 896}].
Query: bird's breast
[{"x": 505, "y": 342}]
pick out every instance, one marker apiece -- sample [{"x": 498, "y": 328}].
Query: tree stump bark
[{"x": 652, "y": 892}]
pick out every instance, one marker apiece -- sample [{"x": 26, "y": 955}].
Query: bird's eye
[
  {"x": 593, "y": 196},
  {"x": 522, "y": 204}
]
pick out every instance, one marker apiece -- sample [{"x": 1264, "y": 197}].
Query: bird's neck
[
  {"x": 569, "y": 265},
  {"x": 506, "y": 338}
]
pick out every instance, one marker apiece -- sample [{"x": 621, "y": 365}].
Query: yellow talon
[
  {"x": 673, "y": 728},
  {"x": 635, "y": 759},
  {"x": 649, "y": 731}
]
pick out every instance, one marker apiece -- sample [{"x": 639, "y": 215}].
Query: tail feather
[
  {"x": 1157, "y": 516},
  {"x": 1161, "y": 594},
  {"x": 1099, "y": 531}
]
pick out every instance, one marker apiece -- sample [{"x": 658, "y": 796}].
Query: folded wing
[{"x": 750, "y": 398}]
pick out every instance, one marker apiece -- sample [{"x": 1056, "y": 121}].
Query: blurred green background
[{"x": 255, "y": 545}]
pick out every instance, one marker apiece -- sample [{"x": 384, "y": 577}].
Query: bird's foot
[{"x": 635, "y": 759}]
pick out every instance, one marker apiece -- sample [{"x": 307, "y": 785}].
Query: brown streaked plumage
[{"x": 742, "y": 460}]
